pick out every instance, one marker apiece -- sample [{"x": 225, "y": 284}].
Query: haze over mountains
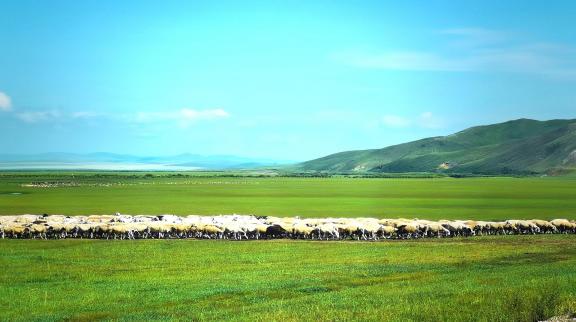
[
  {"x": 112, "y": 161},
  {"x": 519, "y": 146}
]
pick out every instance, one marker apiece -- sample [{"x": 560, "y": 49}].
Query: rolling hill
[{"x": 518, "y": 146}]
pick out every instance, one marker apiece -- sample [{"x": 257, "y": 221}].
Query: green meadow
[
  {"x": 505, "y": 278},
  {"x": 493, "y": 278},
  {"x": 425, "y": 198}
]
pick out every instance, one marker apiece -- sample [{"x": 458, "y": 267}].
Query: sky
[{"x": 288, "y": 80}]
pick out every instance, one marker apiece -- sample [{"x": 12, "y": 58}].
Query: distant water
[{"x": 93, "y": 166}]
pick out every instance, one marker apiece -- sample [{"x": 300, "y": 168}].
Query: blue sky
[{"x": 279, "y": 79}]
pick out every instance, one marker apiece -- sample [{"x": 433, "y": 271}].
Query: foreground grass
[
  {"x": 440, "y": 198},
  {"x": 509, "y": 278}
]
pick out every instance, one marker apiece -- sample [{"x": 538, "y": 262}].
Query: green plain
[
  {"x": 493, "y": 278},
  {"x": 506, "y": 278},
  {"x": 424, "y": 198}
]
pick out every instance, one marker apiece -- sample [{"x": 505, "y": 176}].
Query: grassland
[
  {"x": 438, "y": 198},
  {"x": 509, "y": 278},
  {"x": 495, "y": 278}
]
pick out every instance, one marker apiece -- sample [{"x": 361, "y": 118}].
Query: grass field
[
  {"x": 439, "y": 198},
  {"x": 504, "y": 278},
  {"x": 509, "y": 278}
]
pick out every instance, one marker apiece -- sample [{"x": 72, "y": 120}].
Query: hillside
[{"x": 519, "y": 146}]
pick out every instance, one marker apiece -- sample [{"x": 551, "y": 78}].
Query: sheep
[
  {"x": 140, "y": 230},
  {"x": 122, "y": 231},
  {"x": 56, "y": 230},
  {"x": 465, "y": 229},
  {"x": 435, "y": 229},
  {"x": 27, "y": 219},
  {"x": 408, "y": 231},
  {"x": 7, "y": 219},
  {"x": 521, "y": 227},
  {"x": 38, "y": 230},
  {"x": 76, "y": 220},
  {"x": 182, "y": 230},
  {"x": 545, "y": 226},
  {"x": 211, "y": 231},
  {"x": 287, "y": 226},
  {"x": 261, "y": 229},
  {"x": 497, "y": 228},
  {"x": 328, "y": 231},
  {"x": 277, "y": 231},
  {"x": 122, "y": 218},
  {"x": 170, "y": 218},
  {"x": 479, "y": 227},
  {"x": 369, "y": 230},
  {"x": 143, "y": 219},
  {"x": 160, "y": 229},
  {"x": 253, "y": 230},
  {"x": 251, "y": 227},
  {"x": 387, "y": 231},
  {"x": 71, "y": 230},
  {"x": 84, "y": 230},
  {"x": 101, "y": 230},
  {"x": 303, "y": 231},
  {"x": 99, "y": 218},
  {"x": 15, "y": 230},
  {"x": 457, "y": 228},
  {"x": 396, "y": 222},
  {"x": 349, "y": 229},
  {"x": 564, "y": 225},
  {"x": 234, "y": 230},
  {"x": 471, "y": 224},
  {"x": 55, "y": 218},
  {"x": 527, "y": 227}
]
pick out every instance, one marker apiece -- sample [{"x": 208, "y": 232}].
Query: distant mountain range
[
  {"x": 519, "y": 146},
  {"x": 112, "y": 161}
]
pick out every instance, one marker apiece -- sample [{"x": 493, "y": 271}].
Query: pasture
[
  {"x": 487, "y": 278},
  {"x": 158, "y": 193},
  {"x": 494, "y": 278}
]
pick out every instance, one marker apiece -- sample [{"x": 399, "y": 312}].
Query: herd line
[{"x": 240, "y": 227}]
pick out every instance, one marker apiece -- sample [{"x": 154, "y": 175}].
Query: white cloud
[
  {"x": 395, "y": 121},
  {"x": 5, "y": 102},
  {"x": 184, "y": 116},
  {"x": 85, "y": 115},
  {"x": 477, "y": 36},
  {"x": 39, "y": 116},
  {"x": 54, "y": 116},
  {"x": 190, "y": 114},
  {"x": 424, "y": 120},
  {"x": 430, "y": 121},
  {"x": 404, "y": 60},
  {"x": 474, "y": 50}
]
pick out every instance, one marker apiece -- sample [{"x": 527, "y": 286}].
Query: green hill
[{"x": 519, "y": 146}]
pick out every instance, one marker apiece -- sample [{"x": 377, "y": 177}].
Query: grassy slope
[
  {"x": 446, "y": 198},
  {"x": 521, "y": 145},
  {"x": 506, "y": 278}
]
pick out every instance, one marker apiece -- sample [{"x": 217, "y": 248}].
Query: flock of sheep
[{"x": 239, "y": 227}]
